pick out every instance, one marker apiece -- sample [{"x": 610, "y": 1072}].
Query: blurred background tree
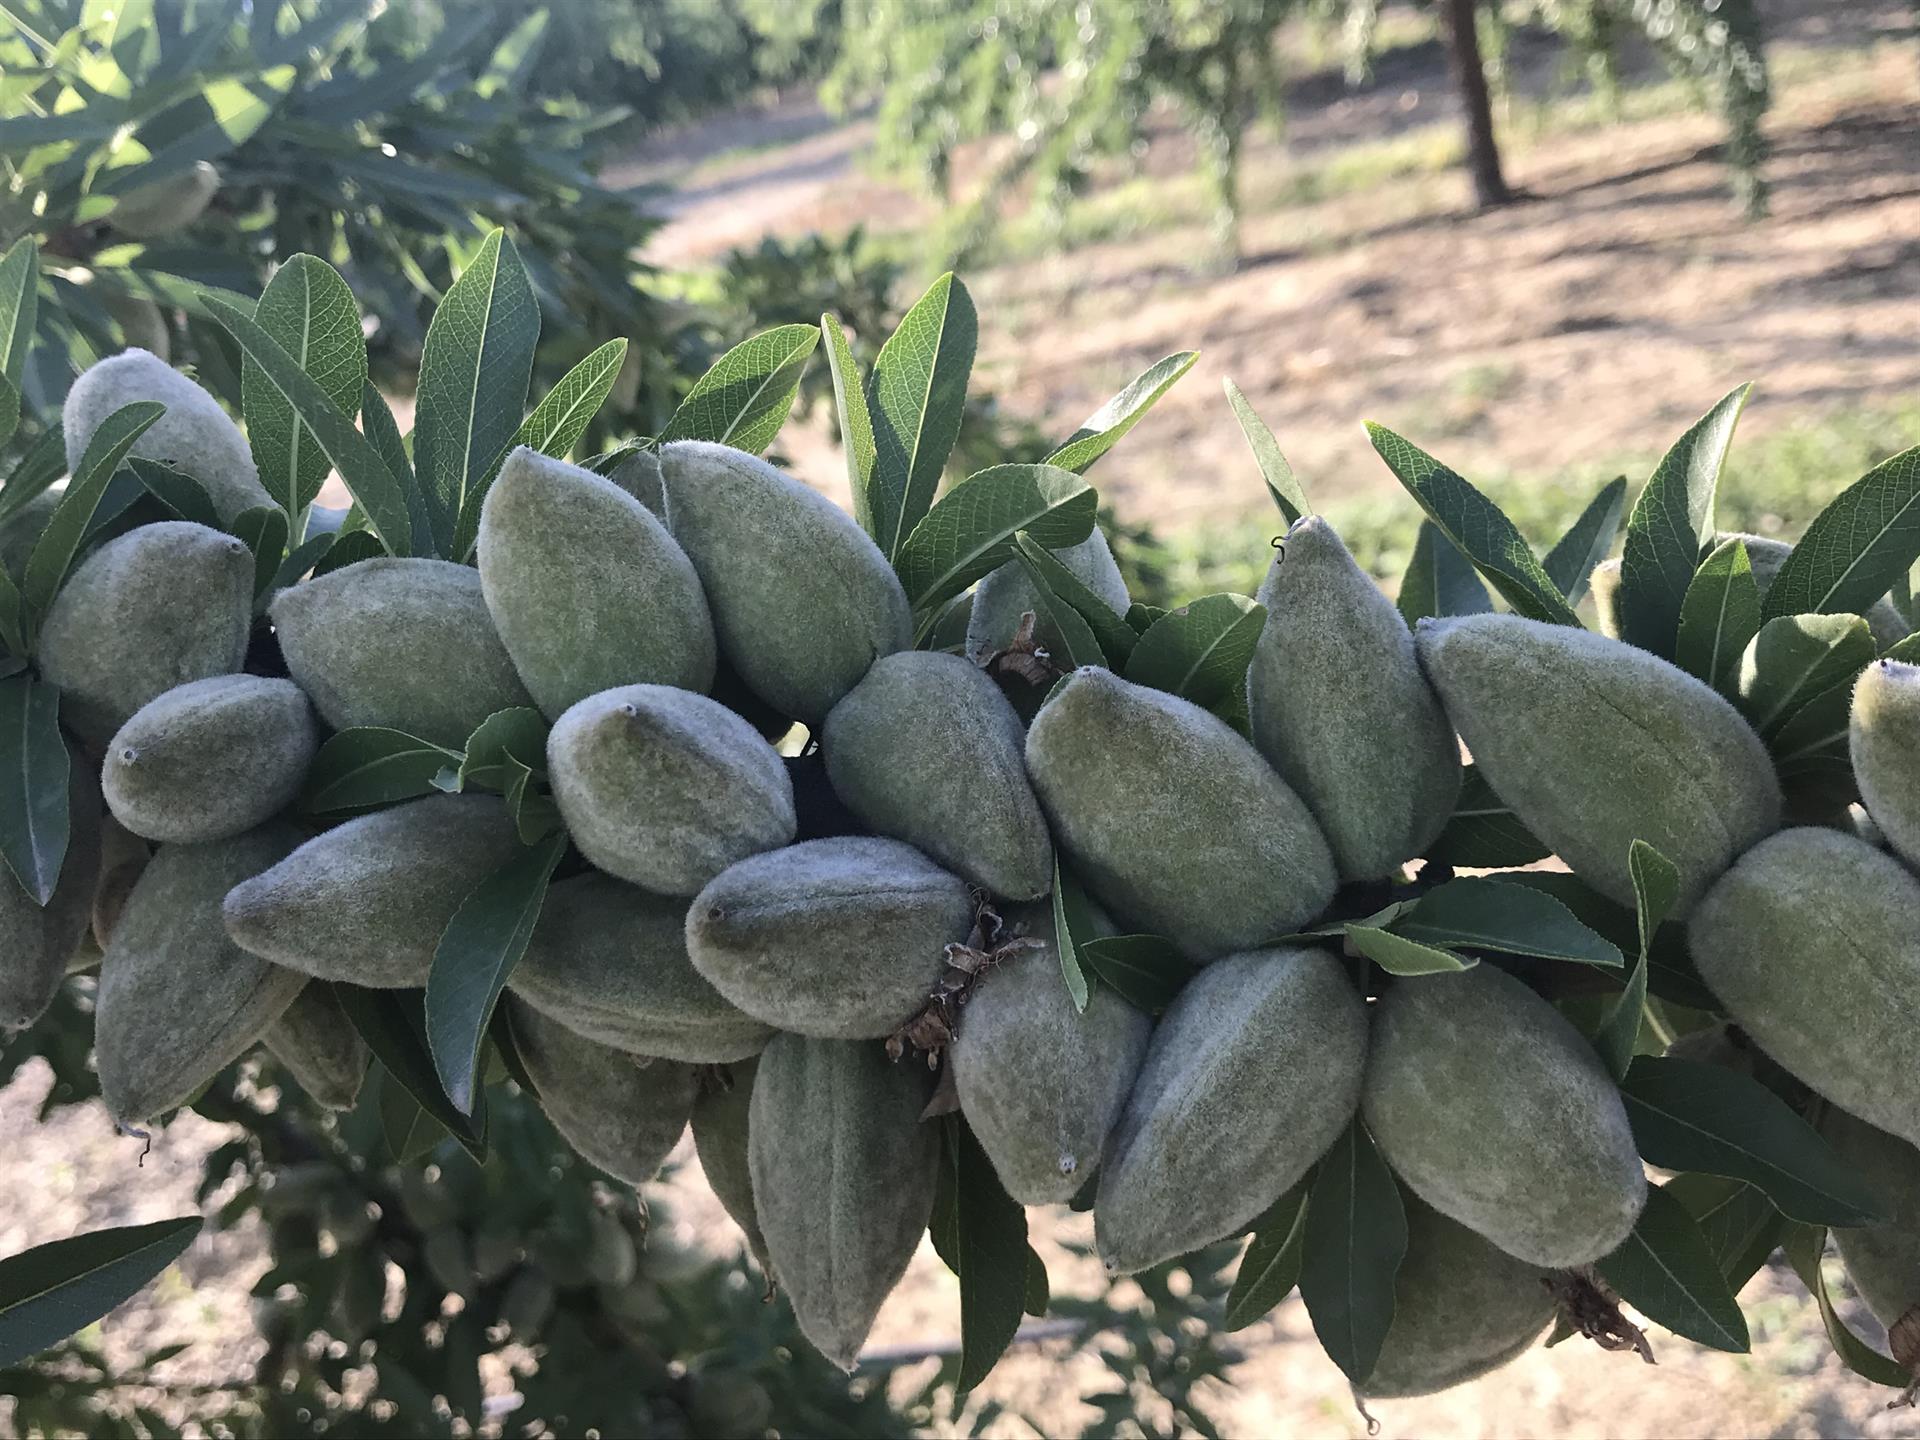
[{"x": 1066, "y": 82}]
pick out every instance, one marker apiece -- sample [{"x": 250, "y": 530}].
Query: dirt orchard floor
[{"x": 1592, "y": 322}]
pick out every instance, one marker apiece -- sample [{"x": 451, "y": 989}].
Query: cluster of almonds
[{"x": 771, "y": 945}]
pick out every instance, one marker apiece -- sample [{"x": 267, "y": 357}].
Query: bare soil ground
[{"x": 1588, "y": 324}]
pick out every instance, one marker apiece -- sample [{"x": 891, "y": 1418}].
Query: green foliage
[{"x": 387, "y": 139}]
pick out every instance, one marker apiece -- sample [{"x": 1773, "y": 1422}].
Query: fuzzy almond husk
[
  {"x": 1885, "y": 740},
  {"x": 586, "y": 587},
  {"x": 195, "y": 435},
  {"x": 622, "y": 1112},
  {"x": 1766, "y": 555},
  {"x": 721, "y": 1118},
  {"x": 319, "y": 1046},
  {"x": 927, "y": 749},
  {"x": 1339, "y": 707},
  {"x": 665, "y": 788},
  {"x": 1252, "y": 1073},
  {"x": 841, "y": 939},
  {"x": 1042, "y": 1085},
  {"x": 365, "y": 902},
  {"x": 1008, "y": 593},
  {"x": 609, "y": 961},
  {"x": 1810, "y": 943},
  {"x": 160, "y": 606},
  {"x": 36, "y": 941},
  {"x": 179, "y": 1001},
  {"x": 1594, "y": 743},
  {"x": 210, "y": 759},
  {"x": 1174, "y": 820},
  {"x": 405, "y": 643},
  {"x": 1882, "y": 1258},
  {"x": 1462, "y": 1308},
  {"x": 802, "y": 600},
  {"x": 844, "y": 1172},
  {"x": 1497, "y": 1112}
]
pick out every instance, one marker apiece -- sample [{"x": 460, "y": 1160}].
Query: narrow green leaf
[
  {"x": 383, "y": 432},
  {"x": 562, "y": 416},
  {"x": 535, "y": 814},
  {"x": 374, "y": 486},
  {"x": 1108, "y": 425},
  {"x": 393, "y": 1023},
  {"x": 1484, "y": 834},
  {"x": 1570, "y": 563},
  {"x": 1039, "y": 1288},
  {"x": 1805, "y": 1247},
  {"x": 349, "y": 547},
  {"x": 1481, "y": 913},
  {"x": 368, "y": 767},
  {"x": 1114, "y": 637},
  {"x": 1666, "y": 1270},
  {"x": 1270, "y": 1268},
  {"x": 1670, "y": 971},
  {"x": 1146, "y": 971},
  {"x": 1689, "y": 1116},
  {"x": 507, "y": 1046},
  {"x": 948, "y": 631},
  {"x": 180, "y": 492},
  {"x": 1356, "y": 1237},
  {"x": 482, "y": 943},
  {"x": 43, "y": 464},
  {"x": 311, "y": 314},
  {"x": 746, "y": 397},
  {"x": 1288, "y": 496},
  {"x": 1141, "y": 618},
  {"x": 302, "y": 558},
  {"x": 1740, "y": 1225},
  {"x": 264, "y": 529},
  {"x": 1857, "y": 549},
  {"x": 1440, "y": 581},
  {"x": 410, "y": 1132},
  {"x": 53, "y": 1290},
  {"x": 1801, "y": 661},
  {"x": 1071, "y": 921},
  {"x": 9, "y": 412},
  {"x": 1477, "y": 526},
  {"x": 1200, "y": 651},
  {"x": 1719, "y": 617},
  {"x": 519, "y": 734},
  {"x": 989, "y": 1257},
  {"x": 19, "y": 307},
  {"x": 34, "y": 769},
  {"x": 1656, "y": 887},
  {"x": 1398, "y": 955},
  {"x": 856, "y": 421},
  {"x": 916, "y": 398},
  {"x": 474, "y": 370},
  {"x": 970, "y": 533},
  {"x": 1672, "y": 527},
  {"x": 53, "y": 552}
]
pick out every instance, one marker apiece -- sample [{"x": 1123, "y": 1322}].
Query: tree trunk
[{"x": 1462, "y": 37}]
